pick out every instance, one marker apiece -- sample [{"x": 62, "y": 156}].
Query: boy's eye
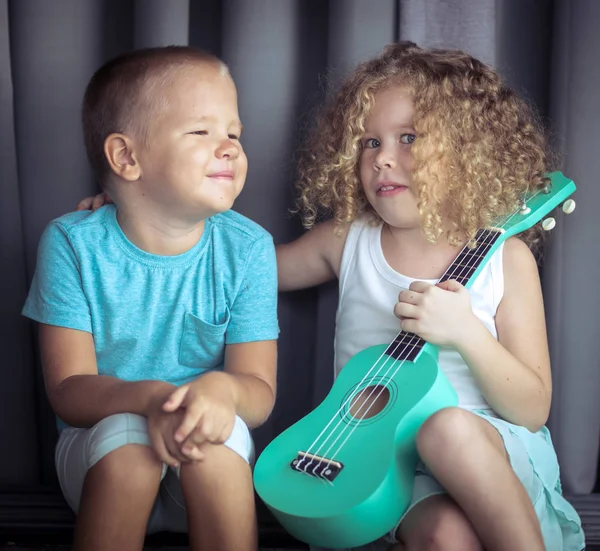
[
  {"x": 408, "y": 139},
  {"x": 372, "y": 142},
  {"x": 200, "y": 132},
  {"x": 233, "y": 137}
]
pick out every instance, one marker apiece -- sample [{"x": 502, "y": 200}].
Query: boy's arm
[
  {"x": 312, "y": 259},
  {"x": 77, "y": 394},
  {"x": 247, "y": 384}
]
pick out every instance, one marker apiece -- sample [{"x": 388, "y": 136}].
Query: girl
[{"x": 418, "y": 150}]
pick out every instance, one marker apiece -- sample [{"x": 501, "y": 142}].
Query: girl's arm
[
  {"x": 312, "y": 259},
  {"x": 513, "y": 372}
]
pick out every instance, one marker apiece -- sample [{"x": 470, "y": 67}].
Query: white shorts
[{"x": 78, "y": 450}]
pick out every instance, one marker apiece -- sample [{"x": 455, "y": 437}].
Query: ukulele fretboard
[{"x": 406, "y": 346}]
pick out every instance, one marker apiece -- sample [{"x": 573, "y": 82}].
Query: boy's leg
[
  {"x": 216, "y": 495},
  {"x": 467, "y": 456},
  {"x": 116, "y": 500},
  {"x": 110, "y": 477},
  {"x": 219, "y": 500}
]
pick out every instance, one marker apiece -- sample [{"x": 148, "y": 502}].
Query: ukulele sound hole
[{"x": 369, "y": 402}]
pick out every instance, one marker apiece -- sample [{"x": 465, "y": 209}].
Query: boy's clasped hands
[{"x": 182, "y": 422}]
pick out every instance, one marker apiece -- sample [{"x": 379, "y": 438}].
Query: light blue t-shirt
[{"x": 154, "y": 317}]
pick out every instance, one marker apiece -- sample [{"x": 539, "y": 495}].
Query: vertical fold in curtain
[
  {"x": 468, "y": 25},
  {"x": 572, "y": 264},
  {"x": 161, "y": 23},
  {"x": 18, "y": 430},
  {"x": 52, "y": 59},
  {"x": 262, "y": 46}
]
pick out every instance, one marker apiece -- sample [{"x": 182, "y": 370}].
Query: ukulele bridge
[{"x": 319, "y": 467}]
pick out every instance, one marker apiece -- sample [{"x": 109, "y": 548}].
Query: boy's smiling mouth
[{"x": 222, "y": 175}]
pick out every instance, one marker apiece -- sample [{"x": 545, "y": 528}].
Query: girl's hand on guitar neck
[{"x": 441, "y": 314}]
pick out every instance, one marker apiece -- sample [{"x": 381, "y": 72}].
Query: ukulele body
[{"x": 372, "y": 462}]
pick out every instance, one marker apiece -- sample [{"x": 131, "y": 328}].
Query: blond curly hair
[{"x": 473, "y": 132}]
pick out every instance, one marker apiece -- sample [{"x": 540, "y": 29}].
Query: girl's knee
[
  {"x": 439, "y": 525},
  {"x": 447, "y": 431},
  {"x": 451, "y": 533},
  {"x": 448, "y": 539}
]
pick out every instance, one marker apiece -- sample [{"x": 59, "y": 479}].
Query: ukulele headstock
[{"x": 537, "y": 205}]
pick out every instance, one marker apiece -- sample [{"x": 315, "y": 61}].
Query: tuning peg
[
  {"x": 569, "y": 206},
  {"x": 548, "y": 224},
  {"x": 524, "y": 208}
]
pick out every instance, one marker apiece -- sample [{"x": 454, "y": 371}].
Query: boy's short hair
[{"x": 125, "y": 94}]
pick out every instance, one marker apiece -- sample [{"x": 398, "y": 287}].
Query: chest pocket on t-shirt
[{"x": 202, "y": 343}]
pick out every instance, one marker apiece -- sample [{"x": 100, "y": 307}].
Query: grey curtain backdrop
[{"x": 284, "y": 56}]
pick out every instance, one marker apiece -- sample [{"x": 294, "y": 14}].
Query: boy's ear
[{"x": 120, "y": 154}]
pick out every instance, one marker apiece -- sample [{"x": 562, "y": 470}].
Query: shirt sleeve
[
  {"x": 253, "y": 315},
  {"x": 56, "y": 295}
]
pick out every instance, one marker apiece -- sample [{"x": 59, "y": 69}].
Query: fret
[
  {"x": 468, "y": 260},
  {"x": 406, "y": 346}
]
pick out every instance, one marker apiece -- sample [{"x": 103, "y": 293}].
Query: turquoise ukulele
[{"x": 343, "y": 475}]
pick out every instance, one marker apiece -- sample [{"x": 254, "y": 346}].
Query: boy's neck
[
  {"x": 157, "y": 234},
  {"x": 409, "y": 253}
]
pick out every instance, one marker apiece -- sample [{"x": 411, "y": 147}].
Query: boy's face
[{"x": 193, "y": 165}]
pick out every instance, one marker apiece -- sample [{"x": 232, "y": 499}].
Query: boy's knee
[
  {"x": 132, "y": 468},
  {"x": 115, "y": 432}
]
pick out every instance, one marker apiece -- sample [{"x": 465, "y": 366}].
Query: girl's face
[{"x": 386, "y": 160}]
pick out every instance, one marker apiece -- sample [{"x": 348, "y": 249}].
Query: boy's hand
[
  {"x": 95, "y": 202},
  {"x": 209, "y": 412},
  {"x": 441, "y": 314},
  {"x": 161, "y": 428}
]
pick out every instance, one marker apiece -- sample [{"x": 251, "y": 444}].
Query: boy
[{"x": 157, "y": 314}]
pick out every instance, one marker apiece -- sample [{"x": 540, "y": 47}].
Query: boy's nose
[{"x": 227, "y": 148}]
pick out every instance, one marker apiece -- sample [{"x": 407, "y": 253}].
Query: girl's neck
[{"x": 409, "y": 253}]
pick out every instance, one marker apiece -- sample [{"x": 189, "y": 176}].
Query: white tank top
[{"x": 369, "y": 289}]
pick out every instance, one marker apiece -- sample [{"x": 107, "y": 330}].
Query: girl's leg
[
  {"x": 467, "y": 456},
  {"x": 219, "y": 500},
  {"x": 116, "y": 500},
  {"x": 436, "y": 524}
]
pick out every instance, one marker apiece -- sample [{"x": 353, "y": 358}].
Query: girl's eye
[
  {"x": 407, "y": 139},
  {"x": 200, "y": 132},
  {"x": 233, "y": 137},
  {"x": 372, "y": 143}
]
